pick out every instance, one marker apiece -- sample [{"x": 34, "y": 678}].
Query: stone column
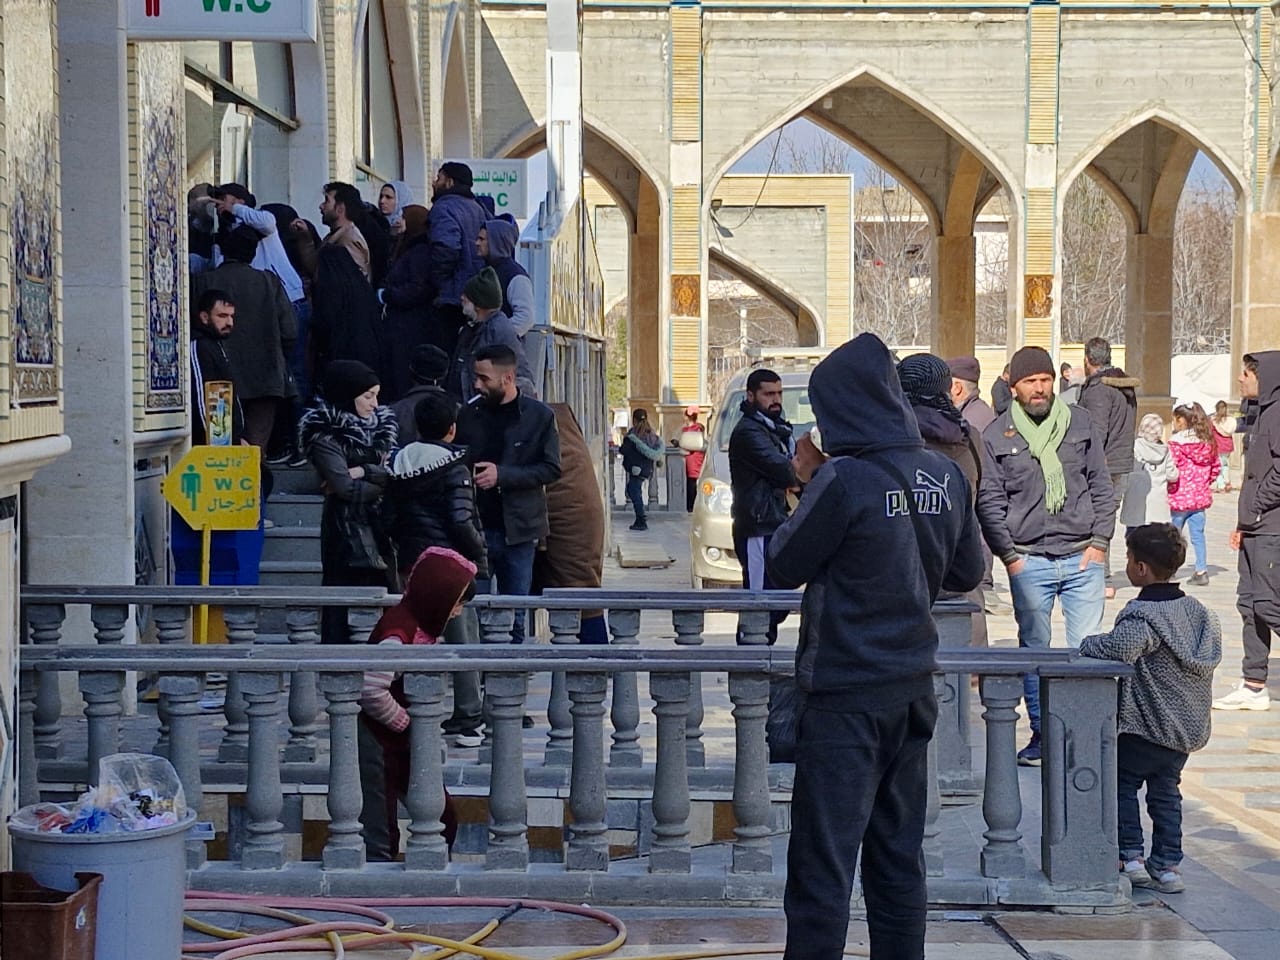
[
  {"x": 955, "y": 295},
  {"x": 1256, "y": 297},
  {"x": 1148, "y": 328},
  {"x": 644, "y": 302},
  {"x": 97, "y": 328}
]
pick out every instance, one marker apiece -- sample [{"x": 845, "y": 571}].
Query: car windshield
[{"x": 795, "y": 408}]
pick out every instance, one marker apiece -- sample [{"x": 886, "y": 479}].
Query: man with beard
[
  {"x": 215, "y": 319},
  {"x": 339, "y": 210},
  {"x": 1047, "y": 510},
  {"x": 486, "y": 326},
  {"x": 515, "y": 449},
  {"x": 453, "y": 226},
  {"x": 760, "y": 474}
]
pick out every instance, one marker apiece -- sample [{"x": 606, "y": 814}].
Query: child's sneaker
[
  {"x": 1136, "y": 871},
  {"x": 1244, "y": 697},
  {"x": 1166, "y": 879}
]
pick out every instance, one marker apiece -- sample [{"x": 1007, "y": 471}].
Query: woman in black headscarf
[{"x": 347, "y": 438}]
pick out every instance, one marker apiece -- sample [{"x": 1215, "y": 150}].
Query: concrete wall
[{"x": 789, "y": 246}]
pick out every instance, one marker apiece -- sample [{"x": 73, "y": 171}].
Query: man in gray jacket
[{"x": 1047, "y": 510}]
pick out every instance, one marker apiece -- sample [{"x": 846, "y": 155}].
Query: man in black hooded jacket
[
  {"x": 1257, "y": 533},
  {"x": 867, "y": 652}
]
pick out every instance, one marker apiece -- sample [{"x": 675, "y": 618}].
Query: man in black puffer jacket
[
  {"x": 760, "y": 474},
  {"x": 431, "y": 502},
  {"x": 883, "y": 526}
]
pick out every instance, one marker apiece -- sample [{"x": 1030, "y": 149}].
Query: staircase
[{"x": 291, "y": 551}]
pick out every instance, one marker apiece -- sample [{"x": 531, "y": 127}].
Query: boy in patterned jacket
[{"x": 1174, "y": 643}]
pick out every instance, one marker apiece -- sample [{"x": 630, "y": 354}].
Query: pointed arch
[
  {"x": 457, "y": 135},
  {"x": 904, "y": 92},
  {"x": 408, "y": 93},
  {"x": 1171, "y": 121},
  {"x": 810, "y": 328}
]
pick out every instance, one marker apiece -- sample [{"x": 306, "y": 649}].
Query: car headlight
[{"x": 717, "y": 496}]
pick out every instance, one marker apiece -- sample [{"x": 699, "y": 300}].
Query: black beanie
[
  {"x": 459, "y": 173},
  {"x": 1028, "y": 362},
  {"x": 484, "y": 290},
  {"x": 429, "y": 364},
  {"x": 344, "y": 380}
]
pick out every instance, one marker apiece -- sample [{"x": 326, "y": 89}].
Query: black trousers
[
  {"x": 1258, "y": 600},
  {"x": 861, "y": 781}
]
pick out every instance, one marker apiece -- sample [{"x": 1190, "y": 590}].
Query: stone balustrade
[{"x": 291, "y": 718}]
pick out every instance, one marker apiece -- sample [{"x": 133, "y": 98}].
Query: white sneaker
[
  {"x": 1244, "y": 697},
  {"x": 1136, "y": 871},
  {"x": 1166, "y": 879}
]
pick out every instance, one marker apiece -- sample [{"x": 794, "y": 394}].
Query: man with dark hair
[
  {"x": 1048, "y": 512},
  {"x": 341, "y": 208},
  {"x": 428, "y": 366},
  {"x": 215, "y": 319},
  {"x": 453, "y": 226},
  {"x": 1257, "y": 532},
  {"x": 883, "y": 526},
  {"x": 516, "y": 452},
  {"x": 1111, "y": 397},
  {"x": 761, "y": 471},
  {"x": 266, "y": 329},
  {"x": 236, "y": 206},
  {"x": 1001, "y": 392}
]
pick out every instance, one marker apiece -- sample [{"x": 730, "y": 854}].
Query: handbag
[
  {"x": 693, "y": 441},
  {"x": 361, "y": 545}
]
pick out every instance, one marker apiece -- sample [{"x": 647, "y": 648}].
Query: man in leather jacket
[{"x": 760, "y": 473}]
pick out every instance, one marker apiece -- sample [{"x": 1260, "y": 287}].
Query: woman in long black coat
[
  {"x": 406, "y": 300},
  {"x": 347, "y": 437}
]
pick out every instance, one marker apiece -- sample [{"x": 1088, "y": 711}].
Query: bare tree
[
  {"x": 992, "y": 288},
  {"x": 892, "y": 270},
  {"x": 1093, "y": 265},
  {"x": 1203, "y": 235}
]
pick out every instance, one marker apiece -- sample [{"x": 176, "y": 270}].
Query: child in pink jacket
[{"x": 1195, "y": 454}]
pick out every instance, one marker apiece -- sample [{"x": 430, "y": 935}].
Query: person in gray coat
[
  {"x": 486, "y": 326},
  {"x": 1146, "y": 499}
]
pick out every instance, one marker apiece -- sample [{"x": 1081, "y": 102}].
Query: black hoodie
[
  {"x": 1259, "y": 509},
  {"x": 867, "y": 636}
]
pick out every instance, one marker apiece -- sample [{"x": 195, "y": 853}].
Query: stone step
[
  {"x": 289, "y": 573},
  {"x": 291, "y": 543},
  {"x": 295, "y": 480},
  {"x": 295, "y": 509}
]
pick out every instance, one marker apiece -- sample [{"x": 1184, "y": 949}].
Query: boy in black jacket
[
  {"x": 431, "y": 502},
  {"x": 883, "y": 526}
]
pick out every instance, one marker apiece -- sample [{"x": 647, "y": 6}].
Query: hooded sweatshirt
[
  {"x": 1147, "y": 498},
  {"x": 1174, "y": 643},
  {"x": 871, "y": 554},
  {"x": 517, "y": 288},
  {"x": 1259, "y": 509},
  {"x": 433, "y": 588}
]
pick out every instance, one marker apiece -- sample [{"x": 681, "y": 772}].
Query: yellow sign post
[{"x": 215, "y": 488}]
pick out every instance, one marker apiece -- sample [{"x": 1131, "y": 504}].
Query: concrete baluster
[
  {"x": 425, "y": 848},
  {"x": 670, "y": 852},
  {"x": 171, "y": 630},
  {"x": 749, "y": 693},
  {"x": 102, "y": 708},
  {"x": 181, "y": 691},
  {"x": 495, "y": 627},
  {"x": 952, "y": 734},
  {"x": 508, "y": 800},
  {"x": 933, "y": 802},
  {"x": 559, "y": 753},
  {"x": 360, "y": 623},
  {"x": 1002, "y": 854},
  {"x": 264, "y": 844},
  {"x": 345, "y": 847},
  {"x": 102, "y": 691},
  {"x": 45, "y": 621},
  {"x": 689, "y": 625},
  {"x": 588, "y": 834},
  {"x": 624, "y": 625},
  {"x": 28, "y": 779},
  {"x": 303, "y": 624},
  {"x": 242, "y": 628},
  {"x": 753, "y": 628}
]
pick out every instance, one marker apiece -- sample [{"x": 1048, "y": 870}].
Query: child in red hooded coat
[{"x": 440, "y": 582}]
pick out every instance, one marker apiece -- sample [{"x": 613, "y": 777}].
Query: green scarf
[{"x": 1043, "y": 439}]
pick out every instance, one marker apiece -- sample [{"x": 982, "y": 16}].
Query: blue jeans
[
  {"x": 1034, "y": 591},
  {"x": 1139, "y": 761},
  {"x": 1194, "y": 522},
  {"x": 511, "y": 570},
  {"x": 635, "y": 494},
  {"x": 297, "y": 361}
]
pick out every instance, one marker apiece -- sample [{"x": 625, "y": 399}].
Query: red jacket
[{"x": 1198, "y": 467}]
